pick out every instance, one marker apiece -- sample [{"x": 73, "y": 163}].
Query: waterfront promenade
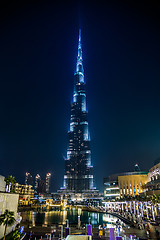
[
  {"x": 131, "y": 218},
  {"x": 138, "y": 218},
  {"x": 41, "y": 233},
  {"x": 38, "y": 231}
]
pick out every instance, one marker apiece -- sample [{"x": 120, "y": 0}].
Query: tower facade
[
  {"x": 48, "y": 182},
  {"x": 78, "y": 175},
  {"x": 37, "y": 180},
  {"x": 40, "y": 185},
  {"x": 28, "y": 179}
]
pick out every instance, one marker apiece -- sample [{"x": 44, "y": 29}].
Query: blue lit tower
[{"x": 78, "y": 176}]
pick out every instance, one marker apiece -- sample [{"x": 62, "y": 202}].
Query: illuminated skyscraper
[
  {"x": 48, "y": 181},
  {"x": 40, "y": 185},
  {"x": 37, "y": 181},
  {"x": 78, "y": 177},
  {"x": 28, "y": 179}
]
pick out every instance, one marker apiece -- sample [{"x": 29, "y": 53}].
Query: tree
[
  {"x": 7, "y": 219},
  {"x": 155, "y": 198},
  {"x": 16, "y": 235},
  {"x": 10, "y": 181}
]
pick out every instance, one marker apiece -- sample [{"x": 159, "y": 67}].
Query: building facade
[
  {"x": 131, "y": 183},
  {"x": 154, "y": 172},
  {"x": 26, "y": 193},
  {"x": 78, "y": 177},
  {"x": 153, "y": 184},
  {"x": 48, "y": 182},
  {"x": 37, "y": 183},
  {"x": 111, "y": 188},
  {"x": 29, "y": 179}
]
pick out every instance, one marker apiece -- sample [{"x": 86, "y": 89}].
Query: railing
[{"x": 23, "y": 236}]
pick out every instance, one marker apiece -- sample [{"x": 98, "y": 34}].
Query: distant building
[
  {"x": 125, "y": 184},
  {"x": 136, "y": 168},
  {"x": 40, "y": 185},
  {"x": 153, "y": 184},
  {"x": 131, "y": 183},
  {"x": 37, "y": 180},
  {"x": 26, "y": 193},
  {"x": 111, "y": 187},
  {"x": 154, "y": 172},
  {"x": 48, "y": 182},
  {"x": 29, "y": 179}
]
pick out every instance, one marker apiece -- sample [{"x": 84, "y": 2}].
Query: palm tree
[
  {"x": 16, "y": 235},
  {"x": 7, "y": 219},
  {"x": 10, "y": 181}
]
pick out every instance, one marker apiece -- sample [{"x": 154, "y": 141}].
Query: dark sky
[{"x": 38, "y": 49}]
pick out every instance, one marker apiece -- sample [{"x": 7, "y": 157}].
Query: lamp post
[
  {"x": 62, "y": 232},
  {"x": 79, "y": 222},
  {"x": 153, "y": 215},
  {"x": 137, "y": 208},
  {"x": 89, "y": 228},
  {"x": 130, "y": 207},
  {"x": 134, "y": 207},
  {"x": 67, "y": 229},
  {"x": 142, "y": 209},
  {"x": 127, "y": 206},
  {"x": 146, "y": 209},
  {"x": 111, "y": 233}
]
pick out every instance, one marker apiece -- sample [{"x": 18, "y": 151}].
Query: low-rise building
[
  {"x": 153, "y": 184},
  {"x": 154, "y": 172},
  {"x": 125, "y": 184},
  {"x": 26, "y": 193},
  {"x": 111, "y": 187},
  {"x": 131, "y": 183}
]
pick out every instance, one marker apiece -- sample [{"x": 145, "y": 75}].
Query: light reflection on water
[{"x": 53, "y": 217}]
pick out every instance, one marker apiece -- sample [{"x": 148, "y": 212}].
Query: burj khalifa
[{"x": 78, "y": 177}]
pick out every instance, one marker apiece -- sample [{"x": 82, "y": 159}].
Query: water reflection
[
  {"x": 33, "y": 219},
  {"x": 79, "y": 211},
  {"x": 60, "y": 217},
  {"x": 64, "y": 216},
  {"x": 94, "y": 218}
]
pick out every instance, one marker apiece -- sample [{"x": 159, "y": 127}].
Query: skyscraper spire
[
  {"x": 79, "y": 45},
  {"x": 79, "y": 67},
  {"x": 79, "y": 35},
  {"x": 78, "y": 177}
]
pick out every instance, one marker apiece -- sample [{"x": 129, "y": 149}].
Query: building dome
[{"x": 136, "y": 168}]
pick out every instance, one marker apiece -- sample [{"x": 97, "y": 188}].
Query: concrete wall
[
  {"x": 8, "y": 201},
  {"x": 2, "y": 184},
  {"x": 79, "y": 237}
]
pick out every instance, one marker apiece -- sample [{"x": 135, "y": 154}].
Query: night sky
[{"x": 38, "y": 50}]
